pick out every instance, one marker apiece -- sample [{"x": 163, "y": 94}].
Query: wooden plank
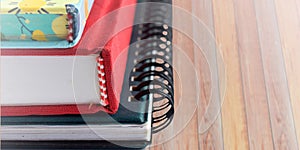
[
  {"x": 209, "y": 119},
  {"x": 182, "y": 133},
  {"x": 186, "y": 140},
  {"x": 298, "y": 7},
  {"x": 258, "y": 119},
  {"x": 184, "y": 127},
  {"x": 275, "y": 78},
  {"x": 234, "y": 122},
  {"x": 289, "y": 27}
]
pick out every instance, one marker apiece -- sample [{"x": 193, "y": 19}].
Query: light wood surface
[
  {"x": 233, "y": 109},
  {"x": 238, "y": 89}
]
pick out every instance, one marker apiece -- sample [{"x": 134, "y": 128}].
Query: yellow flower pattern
[
  {"x": 38, "y": 35},
  {"x": 29, "y": 22},
  {"x": 35, "y": 6}
]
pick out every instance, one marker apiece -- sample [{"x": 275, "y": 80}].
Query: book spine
[
  {"x": 102, "y": 82},
  {"x": 73, "y": 26}
]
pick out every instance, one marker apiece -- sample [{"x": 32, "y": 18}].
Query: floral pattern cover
[{"x": 38, "y": 23}]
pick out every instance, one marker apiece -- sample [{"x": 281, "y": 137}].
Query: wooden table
[{"x": 251, "y": 71}]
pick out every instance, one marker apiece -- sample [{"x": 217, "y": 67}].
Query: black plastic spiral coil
[{"x": 153, "y": 72}]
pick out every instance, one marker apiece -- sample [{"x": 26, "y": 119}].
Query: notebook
[
  {"x": 144, "y": 108},
  {"x": 49, "y": 71},
  {"x": 43, "y": 24}
]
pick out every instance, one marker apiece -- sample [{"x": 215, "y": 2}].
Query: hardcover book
[
  {"x": 43, "y": 23},
  {"x": 46, "y": 86}
]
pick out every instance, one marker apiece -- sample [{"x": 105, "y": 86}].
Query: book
[
  {"x": 141, "y": 111},
  {"x": 43, "y": 24},
  {"x": 103, "y": 51}
]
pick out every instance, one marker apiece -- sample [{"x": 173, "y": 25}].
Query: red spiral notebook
[{"x": 106, "y": 36}]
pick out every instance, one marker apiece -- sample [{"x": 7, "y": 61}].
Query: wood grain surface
[
  {"x": 233, "y": 109},
  {"x": 237, "y": 67}
]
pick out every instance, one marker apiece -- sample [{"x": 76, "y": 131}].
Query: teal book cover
[{"x": 42, "y": 21}]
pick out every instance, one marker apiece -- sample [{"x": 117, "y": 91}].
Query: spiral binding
[{"x": 152, "y": 75}]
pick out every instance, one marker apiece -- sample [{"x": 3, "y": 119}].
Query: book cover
[{"x": 43, "y": 23}]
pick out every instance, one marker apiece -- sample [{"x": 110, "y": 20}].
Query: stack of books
[{"x": 85, "y": 73}]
